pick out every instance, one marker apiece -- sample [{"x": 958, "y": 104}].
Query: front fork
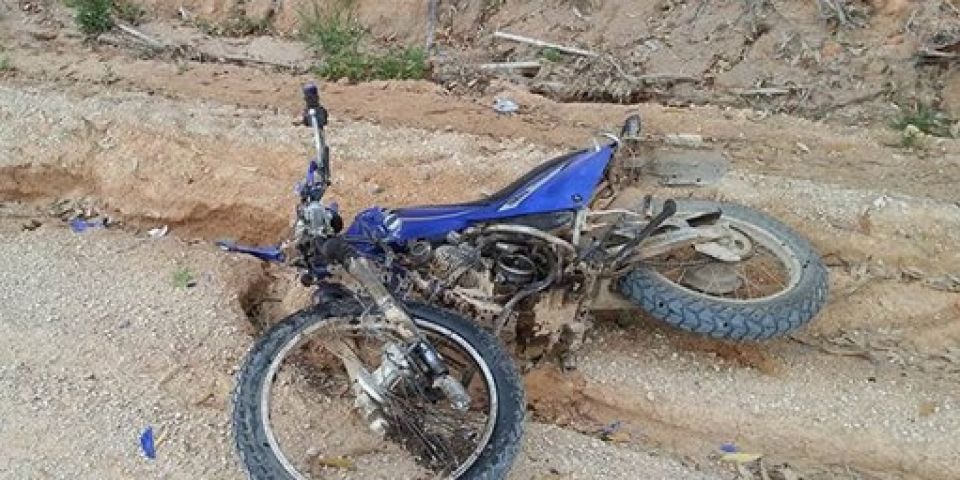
[{"x": 411, "y": 355}]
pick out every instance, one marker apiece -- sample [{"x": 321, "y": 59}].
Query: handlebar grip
[
  {"x": 669, "y": 209},
  {"x": 336, "y": 250},
  {"x": 311, "y": 95}
]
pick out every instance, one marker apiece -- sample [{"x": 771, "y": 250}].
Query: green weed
[
  {"x": 551, "y": 55},
  {"x": 183, "y": 278},
  {"x": 93, "y": 16},
  {"x": 925, "y": 118},
  {"x": 336, "y": 35}
]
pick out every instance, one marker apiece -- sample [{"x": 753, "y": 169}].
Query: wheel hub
[{"x": 714, "y": 278}]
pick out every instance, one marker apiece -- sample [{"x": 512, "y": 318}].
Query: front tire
[
  {"x": 251, "y": 437},
  {"x": 735, "y": 319}
]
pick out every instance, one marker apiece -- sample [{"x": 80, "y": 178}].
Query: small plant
[
  {"x": 5, "y": 65},
  {"x": 128, "y": 11},
  {"x": 551, "y": 55},
  {"x": 332, "y": 30},
  {"x": 924, "y": 119},
  {"x": 93, "y": 16},
  {"x": 335, "y": 34},
  {"x": 183, "y": 278}
]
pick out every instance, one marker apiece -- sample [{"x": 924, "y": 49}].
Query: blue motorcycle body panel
[{"x": 565, "y": 183}]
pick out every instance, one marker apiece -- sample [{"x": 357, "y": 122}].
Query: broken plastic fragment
[
  {"x": 505, "y": 105},
  {"x": 157, "y": 232},
  {"x": 729, "y": 448},
  {"x": 79, "y": 225},
  {"x": 147, "y": 445}
]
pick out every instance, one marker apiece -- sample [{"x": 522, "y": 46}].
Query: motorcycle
[{"x": 413, "y": 308}]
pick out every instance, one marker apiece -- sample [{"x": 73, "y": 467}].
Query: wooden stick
[
  {"x": 763, "y": 91},
  {"x": 143, "y": 37},
  {"x": 530, "y": 65},
  {"x": 543, "y": 44}
]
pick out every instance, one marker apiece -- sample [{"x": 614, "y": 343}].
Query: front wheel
[
  {"x": 778, "y": 285},
  {"x": 297, "y": 412}
]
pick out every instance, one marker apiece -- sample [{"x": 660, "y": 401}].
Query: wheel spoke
[{"x": 314, "y": 407}]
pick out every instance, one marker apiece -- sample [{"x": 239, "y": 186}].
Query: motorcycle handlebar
[{"x": 311, "y": 97}]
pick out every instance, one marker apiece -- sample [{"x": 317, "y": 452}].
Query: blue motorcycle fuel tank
[{"x": 565, "y": 183}]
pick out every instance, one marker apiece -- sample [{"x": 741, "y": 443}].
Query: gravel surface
[{"x": 100, "y": 343}]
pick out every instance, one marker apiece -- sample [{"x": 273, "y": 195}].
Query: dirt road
[{"x": 104, "y": 344}]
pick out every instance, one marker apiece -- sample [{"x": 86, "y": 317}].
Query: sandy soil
[{"x": 867, "y": 391}]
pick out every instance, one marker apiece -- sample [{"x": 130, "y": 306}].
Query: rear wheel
[
  {"x": 296, "y": 413},
  {"x": 778, "y": 285}
]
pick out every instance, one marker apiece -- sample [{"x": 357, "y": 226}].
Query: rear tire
[
  {"x": 262, "y": 462},
  {"x": 735, "y": 319}
]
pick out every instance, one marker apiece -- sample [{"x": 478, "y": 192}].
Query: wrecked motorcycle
[{"x": 412, "y": 305}]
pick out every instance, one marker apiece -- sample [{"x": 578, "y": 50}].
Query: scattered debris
[
  {"x": 912, "y": 274},
  {"x": 944, "y": 283},
  {"x": 158, "y": 232},
  {"x": 31, "y": 225},
  {"x": 147, "y": 445},
  {"x": 764, "y": 92},
  {"x": 527, "y": 68},
  {"x": 942, "y": 46},
  {"x": 729, "y": 448},
  {"x": 614, "y": 433},
  {"x": 68, "y": 209},
  {"x": 505, "y": 106},
  {"x": 740, "y": 457},
  {"x": 542, "y": 44},
  {"x": 803, "y": 147},
  {"x": 79, "y": 225},
  {"x": 335, "y": 462}
]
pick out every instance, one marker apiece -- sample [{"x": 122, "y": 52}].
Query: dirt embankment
[
  {"x": 867, "y": 391},
  {"x": 850, "y": 65}
]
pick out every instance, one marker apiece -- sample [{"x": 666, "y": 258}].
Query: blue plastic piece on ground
[
  {"x": 79, "y": 225},
  {"x": 610, "y": 429},
  {"x": 729, "y": 448},
  {"x": 146, "y": 443}
]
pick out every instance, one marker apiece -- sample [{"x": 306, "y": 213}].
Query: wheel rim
[
  {"x": 759, "y": 280},
  {"x": 469, "y": 360}
]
